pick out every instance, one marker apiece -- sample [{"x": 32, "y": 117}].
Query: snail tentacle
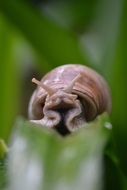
[
  {"x": 70, "y": 87},
  {"x": 49, "y": 90}
]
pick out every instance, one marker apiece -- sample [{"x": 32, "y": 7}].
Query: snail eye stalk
[
  {"x": 70, "y": 87},
  {"x": 49, "y": 90}
]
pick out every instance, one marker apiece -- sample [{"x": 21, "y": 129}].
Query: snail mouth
[
  {"x": 61, "y": 126},
  {"x": 64, "y": 118},
  {"x": 71, "y": 117},
  {"x": 61, "y": 110}
]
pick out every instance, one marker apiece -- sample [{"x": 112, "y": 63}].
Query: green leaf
[
  {"x": 99, "y": 40},
  {"x": 119, "y": 91},
  {"x": 3, "y": 148},
  {"x": 8, "y": 80},
  {"x": 3, "y": 174},
  {"x": 41, "y": 159},
  {"x": 74, "y": 15},
  {"x": 52, "y": 42}
]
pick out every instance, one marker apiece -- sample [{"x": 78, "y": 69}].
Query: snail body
[{"x": 67, "y": 97}]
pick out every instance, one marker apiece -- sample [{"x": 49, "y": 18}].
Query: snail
[{"x": 68, "y": 97}]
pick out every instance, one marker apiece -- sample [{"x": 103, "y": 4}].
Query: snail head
[
  {"x": 60, "y": 106},
  {"x": 62, "y": 96}
]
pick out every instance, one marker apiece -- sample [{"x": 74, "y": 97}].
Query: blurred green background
[{"x": 37, "y": 35}]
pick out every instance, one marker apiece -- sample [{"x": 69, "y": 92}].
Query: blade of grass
[
  {"x": 98, "y": 41},
  {"x": 119, "y": 92},
  {"x": 8, "y": 80},
  {"x": 56, "y": 44},
  {"x": 48, "y": 161}
]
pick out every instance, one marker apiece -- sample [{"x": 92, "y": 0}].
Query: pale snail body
[{"x": 69, "y": 96}]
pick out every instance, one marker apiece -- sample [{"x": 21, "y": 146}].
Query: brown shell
[{"x": 91, "y": 88}]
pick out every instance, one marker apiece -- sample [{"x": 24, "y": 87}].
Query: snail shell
[{"x": 69, "y": 96}]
